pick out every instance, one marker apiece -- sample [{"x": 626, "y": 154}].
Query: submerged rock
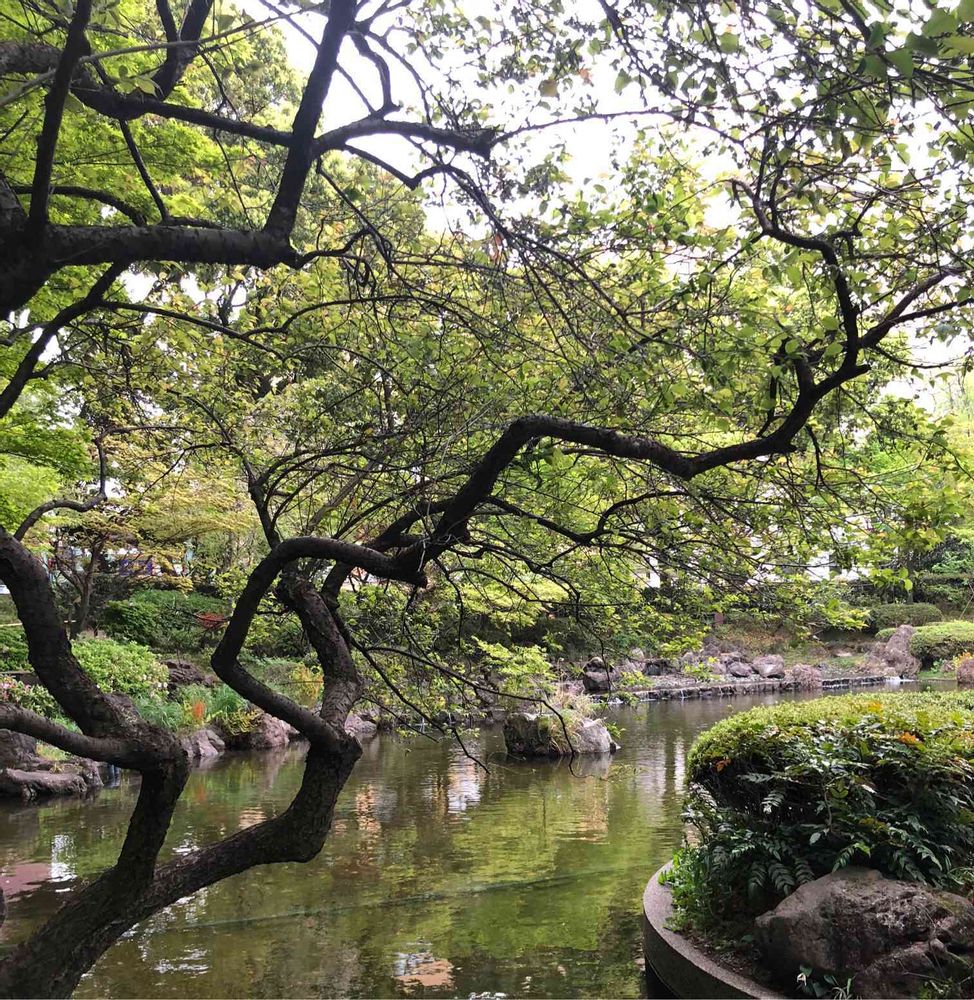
[
  {"x": 889, "y": 937},
  {"x": 543, "y": 736}
]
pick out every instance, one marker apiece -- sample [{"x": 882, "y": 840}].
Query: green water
[{"x": 438, "y": 879}]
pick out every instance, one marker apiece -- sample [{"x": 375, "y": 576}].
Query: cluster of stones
[{"x": 598, "y": 677}]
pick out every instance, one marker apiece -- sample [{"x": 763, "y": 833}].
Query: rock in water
[
  {"x": 542, "y": 736},
  {"x": 203, "y": 744},
  {"x": 965, "y": 671},
  {"x": 360, "y": 728},
  {"x": 889, "y": 937},
  {"x": 267, "y": 732},
  {"x": 893, "y": 658}
]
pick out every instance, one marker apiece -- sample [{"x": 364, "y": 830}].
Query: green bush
[
  {"x": 122, "y": 667},
  {"x": 13, "y": 649},
  {"x": 885, "y": 633},
  {"x": 781, "y": 795},
  {"x": 892, "y": 615},
  {"x": 165, "y": 620},
  {"x": 942, "y": 641}
]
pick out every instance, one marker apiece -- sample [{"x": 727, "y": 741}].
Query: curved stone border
[{"x": 683, "y": 968}]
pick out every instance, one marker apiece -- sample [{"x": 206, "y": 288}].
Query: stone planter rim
[{"x": 682, "y": 967}]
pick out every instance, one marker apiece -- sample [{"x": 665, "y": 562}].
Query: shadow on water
[{"x": 438, "y": 879}]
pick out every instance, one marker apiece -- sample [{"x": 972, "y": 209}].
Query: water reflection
[{"x": 439, "y": 879}]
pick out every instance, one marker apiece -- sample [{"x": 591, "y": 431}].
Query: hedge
[
  {"x": 942, "y": 641},
  {"x": 892, "y": 615},
  {"x": 781, "y": 795}
]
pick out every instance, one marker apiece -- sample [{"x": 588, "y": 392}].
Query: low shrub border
[
  {"x": 942, "y": 641},
  {"x": 781, "y": 795},
  {"x": 891, "y": 615}
]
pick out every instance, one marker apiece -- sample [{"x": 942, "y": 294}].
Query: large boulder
[
  {"x": 600, "y": 680},
  {"x": 28, "y": 785},
  {"x": 204, "y": 744},
  {"x": 266, "y": 733},
  {"x": 889, "y": 937},
  {"x": 965, "y": 671},
  {"x": 893, "y": 657},
  {"x": 739, "y": 669},
  {"x": 805, "y": 676},
  {"x": 361, "y": 729},
  {"x": 768, "y": 666},
  {"x": 528, "y": 735},
  {"x": 16, "y": 749}
]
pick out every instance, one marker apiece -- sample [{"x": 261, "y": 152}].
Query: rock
[
  {"x": 893, "y": 658},
  {"x": 890, "y": 937},
  {"x": 637, "y": 655},
  {"x": 600, "y": 681},
  {"x": 204, "y": 744},
  {"x": 182, "y": 673},
  {"x": 805, "y": 676},
  {"x": 771, "y": 665},
  {"x": 594, "y": 663},
  {"x": 29, "y": 785},
  {"x": 965, "y": 671},
  {"x": 654, "y": 666},
  {"x": 740, "y": 669},
  {"x": 542, "y": 736},
  {"x": 16, "y": 749},
  {"x": 361, "y": 729},
  {"x": 267, "y": 732}
]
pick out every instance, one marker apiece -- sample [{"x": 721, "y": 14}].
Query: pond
[{"x": 438, "y": 879}]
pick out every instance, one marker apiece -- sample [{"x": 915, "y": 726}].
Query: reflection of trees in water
[{"x": 502, "y": 875}]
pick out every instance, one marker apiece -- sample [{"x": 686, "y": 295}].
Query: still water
[{"x": 438, "y": 879}]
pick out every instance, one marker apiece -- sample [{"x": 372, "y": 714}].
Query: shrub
[
  {"x": 122, "y": 667},
  {"x": 942, "y": 641},
  {"x": 781, "y": 795},
  {"x": 34, "y": 697},
  {"x": 891, "y": 615},
  {"x": 13, "y": 649},
  {"x": 884, "y": 634}
]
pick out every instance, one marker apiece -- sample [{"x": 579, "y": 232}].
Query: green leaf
[
  {"x": 548, "y": 88},
  {"x": 963, "y": 44},
  {"x": 729, "y": 42},
  {"x": 902, "y": 59}
]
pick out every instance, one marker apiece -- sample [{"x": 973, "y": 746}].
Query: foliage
[
  {"x": 891, "y": 615},
  {"x": 885, "y": 633},
  {"x": 34, "y": 697},
  {"x": 942, "y": 640},
  {"x": 800, "y": 604},
  {"x": 13, "y": 649},
  {"x": 522, "y": 670},
  {"x": 702, "y": 671},
  {"x": 166, "y": 620},
  {"x": 121, "y": 667},
  {"x": 781, "y": 795}
]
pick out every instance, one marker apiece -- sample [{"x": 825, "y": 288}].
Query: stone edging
[
  {"x": 683, "y": 968},
  {"x": 729, "y": 689}
]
